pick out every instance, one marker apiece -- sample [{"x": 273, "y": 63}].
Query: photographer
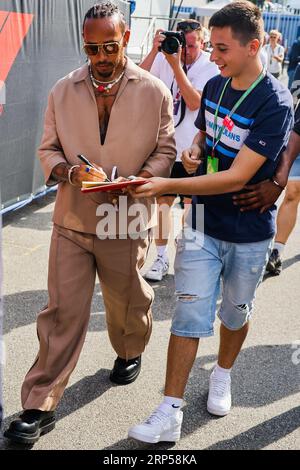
[{"x": 185, "y": 73}]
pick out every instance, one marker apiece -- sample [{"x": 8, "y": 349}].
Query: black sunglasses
[
  {"x": 188, "y": 26},
  {"x": 109, "y": 48}
]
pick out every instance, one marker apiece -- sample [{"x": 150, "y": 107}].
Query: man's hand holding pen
[
  {"x": 74, "y": 175},
  {"x": 87, "y": 173}
]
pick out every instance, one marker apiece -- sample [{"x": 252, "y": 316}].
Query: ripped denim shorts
[{"x": 201, "y": 263}]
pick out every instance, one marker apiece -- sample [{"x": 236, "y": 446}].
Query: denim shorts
[
  {"x": 295, "y": 170},
  {"x": 201, "y": 263}
]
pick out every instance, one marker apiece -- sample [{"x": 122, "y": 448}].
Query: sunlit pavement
[{"x": 94, "y": 414}]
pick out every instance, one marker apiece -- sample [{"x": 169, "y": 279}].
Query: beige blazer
[{"x": 140, "y": 135}]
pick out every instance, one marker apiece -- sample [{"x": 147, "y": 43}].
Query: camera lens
[{"x": 170, "y": 45}]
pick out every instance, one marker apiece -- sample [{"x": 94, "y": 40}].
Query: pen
[
  {"x": 87, "y": 162},
  {"x": 114, "y": 173}
]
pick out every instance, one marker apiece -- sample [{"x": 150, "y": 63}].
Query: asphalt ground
[{"x": 95, "y": 414}]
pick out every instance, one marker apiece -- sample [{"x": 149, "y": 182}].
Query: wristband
[
  {"x": 70, "y": 171},
  {"x": 277, "y": 184}
]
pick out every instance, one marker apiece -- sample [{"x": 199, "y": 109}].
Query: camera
[{"x": 173, "y": 40}]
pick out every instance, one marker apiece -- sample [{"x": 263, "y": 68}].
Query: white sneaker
[
  {"x": 219, "y": 395},
  {"x": 158, "y": 270},
  {"x": 159, "y": 427}
]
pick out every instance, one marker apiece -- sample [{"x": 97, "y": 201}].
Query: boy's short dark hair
[{"x": 244, "y": 18}]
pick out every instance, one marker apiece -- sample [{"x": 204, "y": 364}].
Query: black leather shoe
[
  {"x": 125, "y": 372},
  {"x": 30, "y": 426}
]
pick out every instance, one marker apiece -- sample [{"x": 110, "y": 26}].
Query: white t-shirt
[
  {"x": 264, "y": 58},
  {"x": 198, "y": 74},
  {"x": 273, "y": 66}
]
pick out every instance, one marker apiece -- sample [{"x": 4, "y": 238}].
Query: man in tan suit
[{"x": 115, "y": 114}]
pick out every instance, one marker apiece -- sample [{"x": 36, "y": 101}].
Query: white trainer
[
  {"x": 158, "y": 270},
  {"x": 219, "y": 395},
  {"x": 159, "y": 427}
]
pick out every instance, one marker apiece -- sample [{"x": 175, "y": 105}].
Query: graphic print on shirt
[
  {"x": 232, "y": 140},
  {"x": 262, "y": 122}
]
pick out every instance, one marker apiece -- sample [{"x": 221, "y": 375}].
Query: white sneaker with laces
[
  {"x": 161, "y": 426},
  {"x": 158, "y": 270},
  {"x": 219, "y": 395}
]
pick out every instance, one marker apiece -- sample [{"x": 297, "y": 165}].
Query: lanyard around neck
[{"x": 216, "y": 138}]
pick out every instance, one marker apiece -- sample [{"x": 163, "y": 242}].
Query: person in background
[
  {"x": 295, "y": 88},
  {"x": 287, "y": 214},
  {"x": 185, "y": 73},
  {"x": 206, "y": 40},
  {"x": 294, "y": 60},
  {"x": 244, "y": 124},
  {"x": 97, "y": 110},
  {"x": 263, "y": 54},
  {"x": 275, "y": 54},
  {"x": 263, "y": 195}
]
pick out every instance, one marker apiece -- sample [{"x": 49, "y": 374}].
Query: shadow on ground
[
  {"x": 262, "y": 375},
  {"x": 75, "y": 397},
  {"x": 21, "y": 309},
  {"x": 263, "y": 434}
]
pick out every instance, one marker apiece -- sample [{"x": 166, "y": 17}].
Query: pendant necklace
[{"x": 104, "y": 87}]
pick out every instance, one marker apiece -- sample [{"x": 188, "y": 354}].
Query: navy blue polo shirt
[{"x": 262, "y": 122}]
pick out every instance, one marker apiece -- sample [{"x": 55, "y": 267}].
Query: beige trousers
[{"x": 73, "y": 262}]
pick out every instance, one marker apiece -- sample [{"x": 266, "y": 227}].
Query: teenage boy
[
  {"x": 185, "y": 73},
  {"x": 244, "y": 122}
]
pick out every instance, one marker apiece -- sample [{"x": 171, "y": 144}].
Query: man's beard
[{"x": 104, "y": 73}]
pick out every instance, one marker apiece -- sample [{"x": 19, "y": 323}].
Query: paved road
[{"x": 94, "y": 414}]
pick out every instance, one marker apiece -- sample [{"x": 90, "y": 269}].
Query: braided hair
[{"x": 105, "y": 9}]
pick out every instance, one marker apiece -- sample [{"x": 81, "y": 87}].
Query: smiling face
[
  {"x": 101, "y": 31},
  {"x": 230, "y": 55}
]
